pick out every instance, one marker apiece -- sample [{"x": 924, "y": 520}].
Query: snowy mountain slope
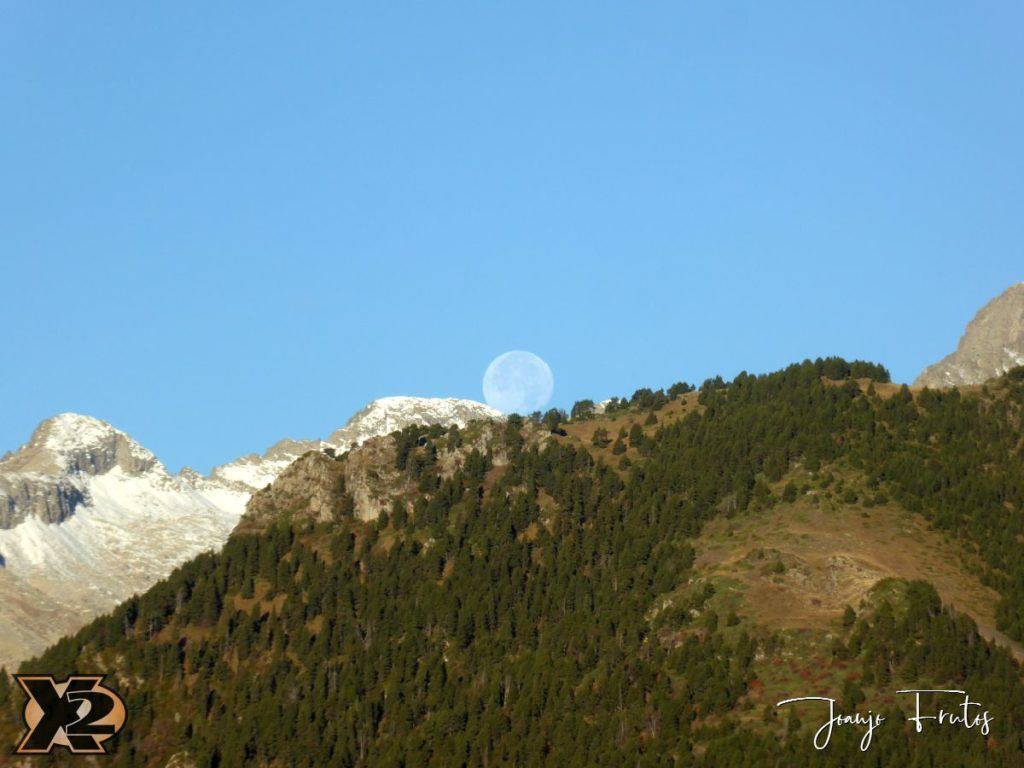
[
  {"x": 132, "y": 532},
  {"x": 88, "y": 516},
  {"x": 387, "y": 414}
]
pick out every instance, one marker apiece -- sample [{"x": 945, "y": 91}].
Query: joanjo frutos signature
[{"x": 966, "y": 714}]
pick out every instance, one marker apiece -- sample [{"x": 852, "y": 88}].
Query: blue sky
[{"x": 225, "y": 225}]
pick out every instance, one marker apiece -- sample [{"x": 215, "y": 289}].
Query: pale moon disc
[{"x": 518, "y": 382}]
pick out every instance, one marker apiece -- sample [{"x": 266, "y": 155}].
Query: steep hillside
[
  {"x": 88, "y": 516},
  {"x": 505, "y": 594}
]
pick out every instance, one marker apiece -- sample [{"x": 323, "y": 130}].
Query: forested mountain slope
[{"x": 508, "y": 595}]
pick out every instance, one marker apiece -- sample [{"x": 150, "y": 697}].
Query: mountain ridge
[
  {"x": 519, "y": 594},
  {"x": 88, "y": 515}
]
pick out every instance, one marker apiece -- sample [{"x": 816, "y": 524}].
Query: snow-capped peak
[
  {"x": 71, "y": 443},
  {"x": 67, "y": 433},
  {"x": 388, "y": 414},
  {"x": 88, "y": 516},
  {"x": 74, "y": 429}
]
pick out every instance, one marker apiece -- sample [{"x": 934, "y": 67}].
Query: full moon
[{"x": 518, "y": 382}]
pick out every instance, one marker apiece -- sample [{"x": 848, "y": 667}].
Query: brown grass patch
[{"x": 833, "y": 557}]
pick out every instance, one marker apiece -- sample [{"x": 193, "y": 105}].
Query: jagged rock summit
[
  {"x": 76, "y": 443},
  {"x": 992, "y": 344},
  {"x": 88, "y": 516},
  {"x": 41, "y": 478}
]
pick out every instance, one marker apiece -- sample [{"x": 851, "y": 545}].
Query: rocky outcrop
[
  {"x": 312, "y": 487},
  {"x": 42, "y": 479},
  {"x": 324, "y": 487},
  {"x": 49, "y": 500},
  {"x": 992, "y": 344},
  {"x": 381, "y": 417}
]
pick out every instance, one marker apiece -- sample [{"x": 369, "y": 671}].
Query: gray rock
[
  {"x": 52, "y": 501},
  {"x": 43, "y": 477},
  {"x": 992, "y": 344}
]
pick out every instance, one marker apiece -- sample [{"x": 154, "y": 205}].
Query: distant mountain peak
[
  {"x": 44, "y": 478},
  {"x": 992, "y": 344},
  {"x": 388, "y": 414},
  {"x": 88, "y": 516},
  {"x": 57, "y": 440},
  {"x": 70, "y": 436}
]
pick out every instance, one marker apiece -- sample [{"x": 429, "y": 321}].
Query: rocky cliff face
[
  {"x": 42, "y": 479},
  {"x": 50, "y": 501},
  {"x": 992, "y": 344},
  {"x": 89, "y": 517},
  {"x": 311, "y": 488}
]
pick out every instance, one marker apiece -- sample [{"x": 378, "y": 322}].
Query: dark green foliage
[
  {"x": 524, "y": 648},
  {"x": 679, "y": 388},
  {"x": 849, "y": 617},
  {"x": 636, "y": 436},
  {"x": 837, "y": 368},
  {"x": 616, "y": 405},
  {"x": 479, "y": 629},
  {"x": 789, "y": 492},
  {"x": 922, "y": 645},
  {"x": 553, "y": 418},
  {"x": 582, "y": 409},
  {"x": 647, "y": 399}
]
